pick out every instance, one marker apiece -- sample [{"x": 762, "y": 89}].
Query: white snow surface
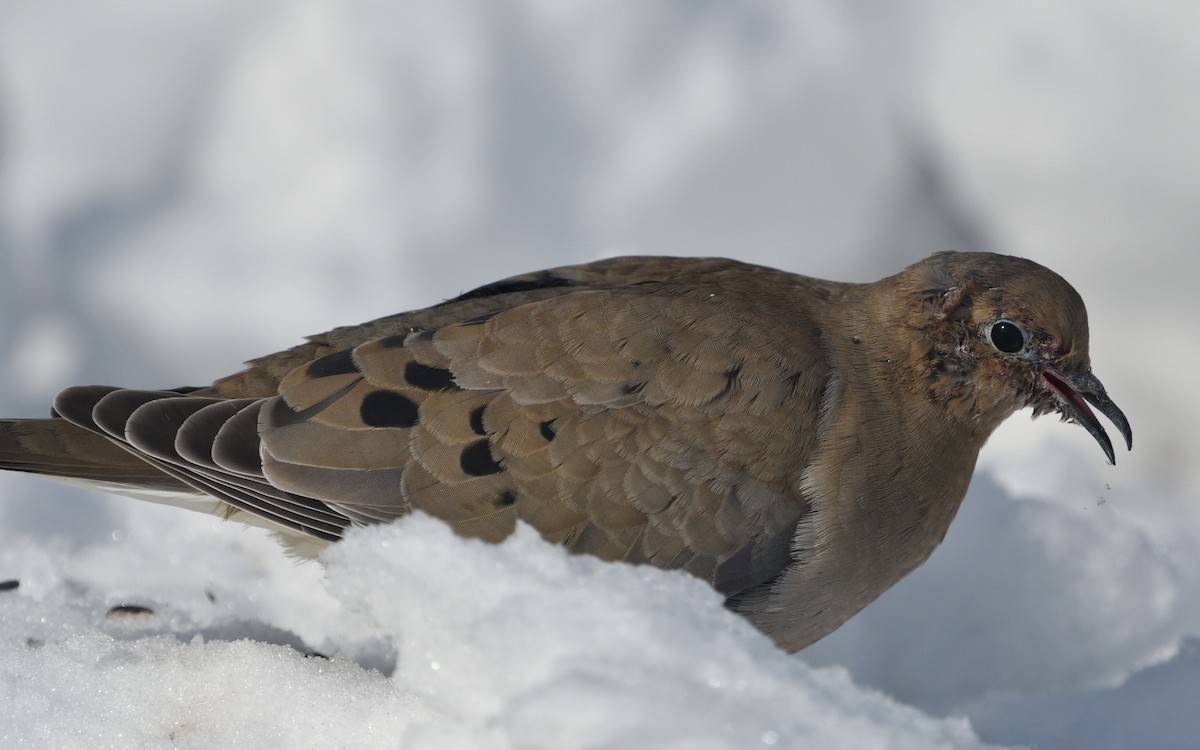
[
  {"x": 472, "y": 645},
  {"x": 187, "y": 185}
]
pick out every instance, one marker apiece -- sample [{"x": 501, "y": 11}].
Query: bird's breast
[{"x": 882, "y": 491}]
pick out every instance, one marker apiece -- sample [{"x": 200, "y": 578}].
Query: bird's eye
[{"x": 1006, "y": 336}]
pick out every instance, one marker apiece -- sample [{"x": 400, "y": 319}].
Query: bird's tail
[{"x": 59, "y": 449}]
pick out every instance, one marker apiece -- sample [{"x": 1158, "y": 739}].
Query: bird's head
[{"x": 1005, "y": 333}]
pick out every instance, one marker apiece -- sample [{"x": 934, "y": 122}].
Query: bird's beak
[{"x": 1072, "y": 390}]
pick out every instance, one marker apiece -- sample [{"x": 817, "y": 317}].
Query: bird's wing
[{"x": 661, "y": 421}]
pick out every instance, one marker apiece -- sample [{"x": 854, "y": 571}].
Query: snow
[
  {"x": 516, "y": 645},
  {"x": 183, "y": 187}
]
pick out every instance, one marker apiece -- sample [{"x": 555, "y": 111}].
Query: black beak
[{"x": 1071, "y": 390}]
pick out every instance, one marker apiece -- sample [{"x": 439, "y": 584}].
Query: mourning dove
[{"x": 799, "y": 444}]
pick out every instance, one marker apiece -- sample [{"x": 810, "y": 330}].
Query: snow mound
[{"x": 495, "y": 646}]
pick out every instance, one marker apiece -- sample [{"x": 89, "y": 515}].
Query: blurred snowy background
[{"x": 186, "y": 185}]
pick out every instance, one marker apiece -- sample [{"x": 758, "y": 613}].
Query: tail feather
[{"x": 55, "y": 447}]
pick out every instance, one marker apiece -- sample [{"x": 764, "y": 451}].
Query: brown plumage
[{"x": 800, "y": 444}]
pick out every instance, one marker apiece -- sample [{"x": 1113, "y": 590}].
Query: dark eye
[{"x": 1007, "y": 336}]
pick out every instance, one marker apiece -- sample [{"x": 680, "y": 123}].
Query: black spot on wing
[
  {"x": 476, "y": 460},
  {"x": 507, "y": 498},
  {"x": 547, "y": 429},
  {"x": 476, "y": 418},
  {"x": 429, "y": 378},
  {"x": 388, "y": 409},
  {"x": 400, "y": 340},
  {"x": 338, "y": 363}
]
